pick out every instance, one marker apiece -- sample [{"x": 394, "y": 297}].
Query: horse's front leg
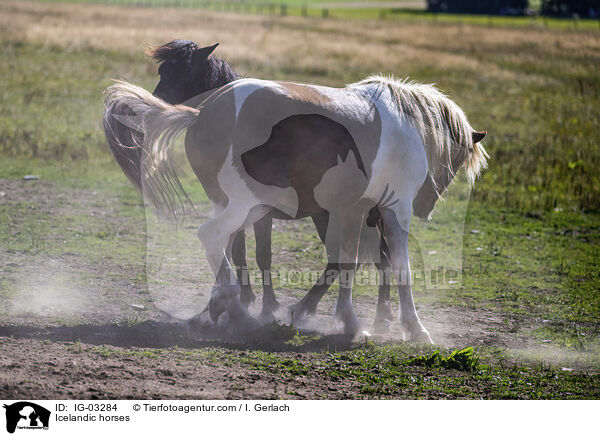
[
  {"x": 342, "y": 243},
  {"x": 238, "y": 255},
  {"x": 262, "y": 232},
  {"x": 396, "y": 223},
  {"x": 343, "y": 308}
]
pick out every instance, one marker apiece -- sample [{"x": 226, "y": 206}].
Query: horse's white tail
[{"x": 158, "y": 124}]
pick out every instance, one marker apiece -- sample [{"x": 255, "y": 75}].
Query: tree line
[{"x": 565, "y": 8}]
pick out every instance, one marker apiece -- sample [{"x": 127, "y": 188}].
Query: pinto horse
[
  {"x": 265, "y": 147},
  {"x": 187, "y": 71}
]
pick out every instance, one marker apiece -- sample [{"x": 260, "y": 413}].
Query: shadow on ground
[{"x": 160, "y": 334}]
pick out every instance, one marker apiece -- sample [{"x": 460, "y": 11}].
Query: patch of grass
[
  {"x": 390, "y": 371},
  {"x": 538, "y": 265},
  {"x": 106, "y": 351},
  {"x": 570, "y": 336},
  {"x": 77, "y": 346},
  {"x": 462, "y": 360},
  {"x": 129, "y": 321}
]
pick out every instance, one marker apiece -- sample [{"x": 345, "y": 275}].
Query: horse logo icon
[{"x": 26, "y": 415}]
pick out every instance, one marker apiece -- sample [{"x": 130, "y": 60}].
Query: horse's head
[
  {"x": 434, "y": 186},
  {"x": 186, "y": 70}
]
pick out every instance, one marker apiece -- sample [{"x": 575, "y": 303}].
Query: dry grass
[{"x": 329, "y": 48}]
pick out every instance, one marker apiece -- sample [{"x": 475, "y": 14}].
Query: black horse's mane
[
  {"x": 177, "y": 49},
  {"x": 220, "y": 72}
]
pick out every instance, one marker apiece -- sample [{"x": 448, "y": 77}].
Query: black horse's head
[{"x": 186, "y": 70}]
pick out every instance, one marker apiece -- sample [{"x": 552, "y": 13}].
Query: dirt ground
[
  {"x": 153, "y": 360},
  {"x": 56, "y": 346}
]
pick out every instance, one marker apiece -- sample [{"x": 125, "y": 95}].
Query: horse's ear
[
  {"x": 478, "y": 136},
  {"x": 203, "y": 53}
]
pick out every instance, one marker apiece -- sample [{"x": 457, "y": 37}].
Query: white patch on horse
[
  {"x": 401, "y": 161},
  {"x": 339, "y": 193},
  {"x": 242, "y": 89},
  {"x": 242, "y": 200},
  {"x": 237, "y": 189}
]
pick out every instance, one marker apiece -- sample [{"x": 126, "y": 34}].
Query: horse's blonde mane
[{"x": 443, "y": 126}]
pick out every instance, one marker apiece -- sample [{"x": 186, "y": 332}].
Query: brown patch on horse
[
  {"x": 306, "y": 94},
  {"x": 299, "y": 151},
  {"x": 253, "y": 126}
]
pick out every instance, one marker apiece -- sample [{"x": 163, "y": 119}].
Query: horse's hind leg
[
  {"x": 308, "y": 304},
  {"x": 238, "y": 255},
  {"x": 262, "y": 232},
  {"x": 383, "y": 316},
  {"x": 396, "y": 223}
]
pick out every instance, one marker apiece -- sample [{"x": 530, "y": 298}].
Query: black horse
[{"x": 186, "y": 71}]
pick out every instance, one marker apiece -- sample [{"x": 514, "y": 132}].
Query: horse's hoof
[
  {"x": 351, "y": 324},
  {"x": 247, "y": 297},
  {"x": 270, "y": 306},
  {"x": 417, "y": 333},
  {"x": 274, "y": 305},
  {"x": 216, "y": 308},
  {"x": 198, "y": 322},
  {"x": 267, "y": 317},
  {"x": 240, "y": 318},
  {"x": 382, "y": 325},
  {"x": 384, "y": 314},
  {"x": 247, "y": 325},
  {"x": 422, "y": 337},
  {"x": 352, "y": 327},
  {"x": 299, "y": 311}
]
